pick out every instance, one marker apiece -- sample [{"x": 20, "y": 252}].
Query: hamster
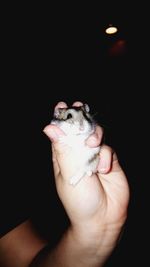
[{"x": 77, "y": 123}]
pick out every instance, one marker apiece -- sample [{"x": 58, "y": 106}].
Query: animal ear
[
  {"x": 57, "y": 112},
  {"x": 86, "y": 107}
]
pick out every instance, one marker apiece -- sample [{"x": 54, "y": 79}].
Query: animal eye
[
  {"x": 69, "y": 116},
  {"x": 86, "y": 107}
]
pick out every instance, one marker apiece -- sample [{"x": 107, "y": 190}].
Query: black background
[{"x": 61, "y": 53}]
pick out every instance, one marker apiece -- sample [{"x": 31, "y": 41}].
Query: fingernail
[{"x": 103, "y": 167}]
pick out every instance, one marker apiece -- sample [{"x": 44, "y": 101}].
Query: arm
[
  {"x": 19, "y": 246},
  {"x": 80, "y": 248},
  {"x": 97, "y": 206}
]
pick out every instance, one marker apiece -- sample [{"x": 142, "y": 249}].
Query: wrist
[
  {"x": 80, "y": 246},
  {"x": 99, "y": 240}
]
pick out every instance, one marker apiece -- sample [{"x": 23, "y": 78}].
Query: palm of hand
[{"x": 102, "y": 197}]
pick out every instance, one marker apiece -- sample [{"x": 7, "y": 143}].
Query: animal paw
[{"x": 89, "y": 173}]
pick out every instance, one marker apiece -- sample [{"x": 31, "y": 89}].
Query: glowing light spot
[{"x": 111, "y": 30}]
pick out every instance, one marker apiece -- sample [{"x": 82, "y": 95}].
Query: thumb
[
  {"x": 61, "y": 152},
  {"x": 53, "y": 133}
]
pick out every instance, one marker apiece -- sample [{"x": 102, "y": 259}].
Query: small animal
[{"x": 77, "y": 124}]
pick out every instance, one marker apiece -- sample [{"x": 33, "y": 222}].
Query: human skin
[{"x": 97, "y": 208}]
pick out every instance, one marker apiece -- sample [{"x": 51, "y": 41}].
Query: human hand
[{"x": 99, "y": 201}]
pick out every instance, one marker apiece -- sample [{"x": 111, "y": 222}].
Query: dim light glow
[{"x": 111, "y": 30}]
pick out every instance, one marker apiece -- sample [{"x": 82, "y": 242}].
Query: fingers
[
  {"x": 53, "y": 132},
  {"x": 105, "y": 159},
  {"x": 60, "y": 104},
  {"x": 55, "y": 162},
  {"x": 95, "y": 139},
  {"x": 108, "y": 160},
  {"x": 77, "y": 104}
]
